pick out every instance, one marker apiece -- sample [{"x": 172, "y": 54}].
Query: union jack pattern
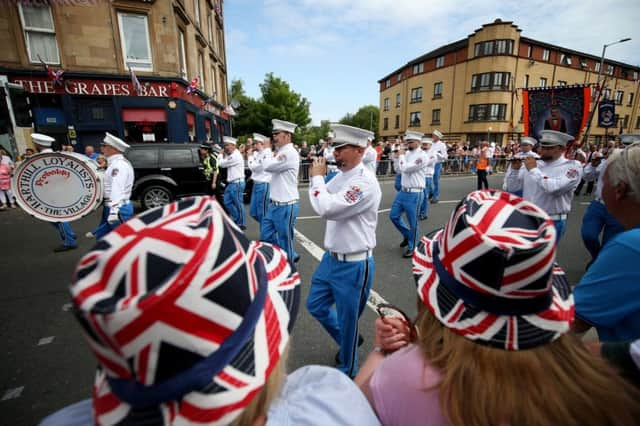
[
  {"x": 498, "y": 247},
  {"x": 163, "y": 291}
]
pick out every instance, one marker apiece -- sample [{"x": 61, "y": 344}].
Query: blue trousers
[
  {"x": 436, "y": 181},
  {"x": 424, "y": 206},
  {"x": 124, "y": 214},
  {"x": 345, "y": 285},
  {"x": 597, "y": 220},
  {"x": 234, "y": 203},
  {"x": 397, "y": 184},
  {"x": 277, "y": 228},
  {"x": 561, "y": 226},
  {"x": 409, "y": 204},
  {"x": 67, "y": 235},
  {"x": 259, "y": 201},
  {"x": 329, "y": 176}
]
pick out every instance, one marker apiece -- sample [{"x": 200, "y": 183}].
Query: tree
[
  {"x": 365, "y": 118},
  {"x": 313, "y": 134},
  {"x": 247, "y": 119}
]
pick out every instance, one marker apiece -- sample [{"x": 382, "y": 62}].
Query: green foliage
[
  {"x": 365, "y": 118},
  {"x": 313, "y": 134}
]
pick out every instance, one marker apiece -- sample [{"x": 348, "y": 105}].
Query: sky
[{"x": 333, "y": 52}]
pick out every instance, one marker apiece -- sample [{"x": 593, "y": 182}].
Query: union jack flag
[
  {"x": 137, "y": 87},
  {"x": 496, "y": 254},
  {"x": 193, "y": 85},
  {"x": 159, "y": 296},
  {"x": 53, "y": 75}
]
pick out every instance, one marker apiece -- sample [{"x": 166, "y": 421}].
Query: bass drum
[{"x": 58, "y": 186}]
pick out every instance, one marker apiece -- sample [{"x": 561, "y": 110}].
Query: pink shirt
[{"x": 404, "y": 392}]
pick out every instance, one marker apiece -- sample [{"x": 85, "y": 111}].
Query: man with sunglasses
[
  {"x": 280, "y": 220},
  {"x": 349, "y": 203}
]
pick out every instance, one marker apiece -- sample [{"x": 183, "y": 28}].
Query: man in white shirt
[
  {"x": 409, "y": 198},
  {"x": 370, "y": 156},
  {"x": 279, "y": 222},
  {"x": 260, "y": 177},
  {"x": 526, "y": 150},
  {"x": 349, "y": 203},
  {"x": 549, "y": 182},
  {"x": 440, "y": 149},
  {"x": 233, "y": 194},
  {"x": 332, "y": 168},
  {"x": 429, "y": 167}
]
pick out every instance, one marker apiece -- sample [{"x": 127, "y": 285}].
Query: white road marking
[
  {"x": 66, "y": 307},
  {"x": 46, "y": 340},
  {"x": 374, "y": 298},
  {"x": 12, "y": 393}
]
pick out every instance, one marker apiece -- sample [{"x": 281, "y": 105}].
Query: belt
[
  {"x": 236, "y": 181},
  {"x": 256, "y": 182},
  {"x": 561, "y": 216},
  {"x": 351, "y": 257},
  {"x": 412, "y": 189},
  {"x": 283, "y": 203}
]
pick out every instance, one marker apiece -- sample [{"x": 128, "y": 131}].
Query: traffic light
[{"x": 21, "y": 107}]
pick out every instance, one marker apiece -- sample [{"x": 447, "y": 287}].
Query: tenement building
[
  {"x": 470, "y": 89},
  {"x": 146, "y": 70}
]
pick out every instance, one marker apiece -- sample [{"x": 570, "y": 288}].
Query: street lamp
[{"x": 595, "y": 105}]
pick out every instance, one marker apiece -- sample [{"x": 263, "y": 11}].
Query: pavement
[{"x": 47, "y": 364}]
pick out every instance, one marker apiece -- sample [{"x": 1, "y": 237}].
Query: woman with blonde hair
[{"x": 493, "y": 345}]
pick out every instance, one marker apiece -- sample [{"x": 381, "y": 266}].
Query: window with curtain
[
  {"x": 200, "y": 71},
  {"x": 39, "y": 33},
  {"x": 183, "y": 54},
  {"x": 134, "y": 36}
]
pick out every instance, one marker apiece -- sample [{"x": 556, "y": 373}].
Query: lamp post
[{"x": 598, "y": 86}]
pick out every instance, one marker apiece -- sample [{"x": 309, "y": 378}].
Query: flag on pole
[
  {"x": 55, "y": 76},
  {"x": 136, "y": 83}
]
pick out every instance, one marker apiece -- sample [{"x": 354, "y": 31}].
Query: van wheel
[{"x": 155, "y": 196}]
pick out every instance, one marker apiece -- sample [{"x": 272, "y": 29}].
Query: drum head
[{"x": 57, "y": 186}]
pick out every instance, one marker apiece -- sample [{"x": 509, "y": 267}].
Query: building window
[
  {"x": 610, "y": 69},
  {"x": 495, "y": 47},
  {"x": 414, "y": 119},
  {"x": 196, "y": 11},
  {"x": 397, "y": 100},
  {"x": 183, "y": 55},
  {"x": 200, "y": 71},
  {"x": 637, "y": 122},
  {"x": 440, "y": 62},
  {"x": 397, "y": 122},
  {"x": 526, "y": 81},
  {"x": 210, "y": 27},
  {"x": 543, "y": 82},
  {"x": 487, "y": 112},
  {"x": 435, "y": 116},
  {"x": 437, "y": 90},
  {"x": 214, "y": 84},
  {"x": 606, "y": 93},
  {"x": 491, "y": 81},
  {"x": 565, "y": 59},
  {"x": 136, "y": 48},
  {"x": 635, "y": 75},
  {"x": 529, "y": 51},
  {"x": 385, "y": 123},
  {"x": 625, "y": 122},
  {"x": 545, "y": 55},
  {"x": 630, "y": 99},
  {"x": 562, "y": 83},
  {"x": 583, "y": 63},
  {"x": 399, "y": 77},
  {"x": 418, "y": 68},
  {"x": 416, "y": 95},
  {"x": 386, "y": 104},
  {"x": 597, "y": 67},
  {"x": 387, "y": 83},
  {"x": 39, "y": 33},
  {"x": 619, "y": 97}
]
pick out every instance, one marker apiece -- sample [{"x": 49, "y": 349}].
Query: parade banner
[
  {"x": 564, "y": 108},
  {"x": 606, "y": 114}
]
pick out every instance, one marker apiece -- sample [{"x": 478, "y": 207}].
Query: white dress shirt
[
  {"x": 350, "y": 204},
  {"x": 234, "y": 163},
  {"x": 118, "y": 180},
  {"x": 592, "y": 173},
  {"x": 430, "y": 164},
  {"x": 256, "y": 165},
  {"x": 440, "y": 150},
  {"x": 284, "y": 167},
  {"x": 369, "y": 158},
  {"x": 411, "y": 165},
  {"x": 550, "y": 186},
  {"x": 330, "y": 158}
]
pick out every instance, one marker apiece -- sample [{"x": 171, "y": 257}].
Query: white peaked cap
[
  {"x": 348, "y": 135},
  {"x": 283, "y": 126},
  {"x": 410, "y": 135},
  {"x": 528, "y": 140},
  {"x": 427, "y": 140},
  {"x": 437, "y": 133},
  {"x": 257, "y": 137},
  {"x": 42, "y": 140},
  {"x": 629, "y": 138},
  {"x": 229, "y": 139},
  {"x": 115, "y": 142},
  {"x": 554, "y": 138}
]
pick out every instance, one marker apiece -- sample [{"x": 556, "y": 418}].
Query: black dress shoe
[
  {"x": 64, "y": 248},
  {"x": 407, "y": 253},
  {"x": 434, "y": 201},
  {"x": 404, "y": 243},
  {"x": 244, "y": 228},
  {"x": 337, "y": 357},
  {"x": 424, "y": 217}
]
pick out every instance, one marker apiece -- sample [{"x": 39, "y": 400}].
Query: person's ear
[{"x": 621, "y": 190}]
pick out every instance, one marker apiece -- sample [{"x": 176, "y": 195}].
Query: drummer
[
  {"x": 68, "y": 237},
  {"x": 118, "y": 181}
]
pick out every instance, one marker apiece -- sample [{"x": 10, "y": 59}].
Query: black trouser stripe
[
  {"x": 265, "y": 200},
  {"x": 354, "y": 344},
  {"x": 415, "y": 230}
]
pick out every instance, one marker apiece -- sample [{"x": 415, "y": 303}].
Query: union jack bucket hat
[
  {"x": 186, "y": 317},
  {"x": 490, "y": 274}
]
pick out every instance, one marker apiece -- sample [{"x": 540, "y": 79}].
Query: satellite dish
[{"x": 234, "y": 103}]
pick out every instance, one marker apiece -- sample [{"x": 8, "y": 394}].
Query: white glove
[{"x": 113, "y": 218}]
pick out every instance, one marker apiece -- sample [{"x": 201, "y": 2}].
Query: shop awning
[{"x": 149, "y": 115}]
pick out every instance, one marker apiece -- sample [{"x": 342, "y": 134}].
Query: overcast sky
[{"x": 333, "y": 52}]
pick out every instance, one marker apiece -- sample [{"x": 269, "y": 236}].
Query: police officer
[
  {"x": 233, "y": 194},
  {"x": 118, "y": 182},
  {"x": 68, "y": 237},
  {"x": 332, "y": 168},
  {"x": 429, "y": 168},
  {"x": 279, "y": 223},
  {"x": 409, "y": 198},
  {"x": 549, "y": 182},
  {"x": 349, "y": 203},
  {"x": 440, "y": 149},
  {"x": 261, "y": 178},
  {"x": 210, "y": 166}
]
